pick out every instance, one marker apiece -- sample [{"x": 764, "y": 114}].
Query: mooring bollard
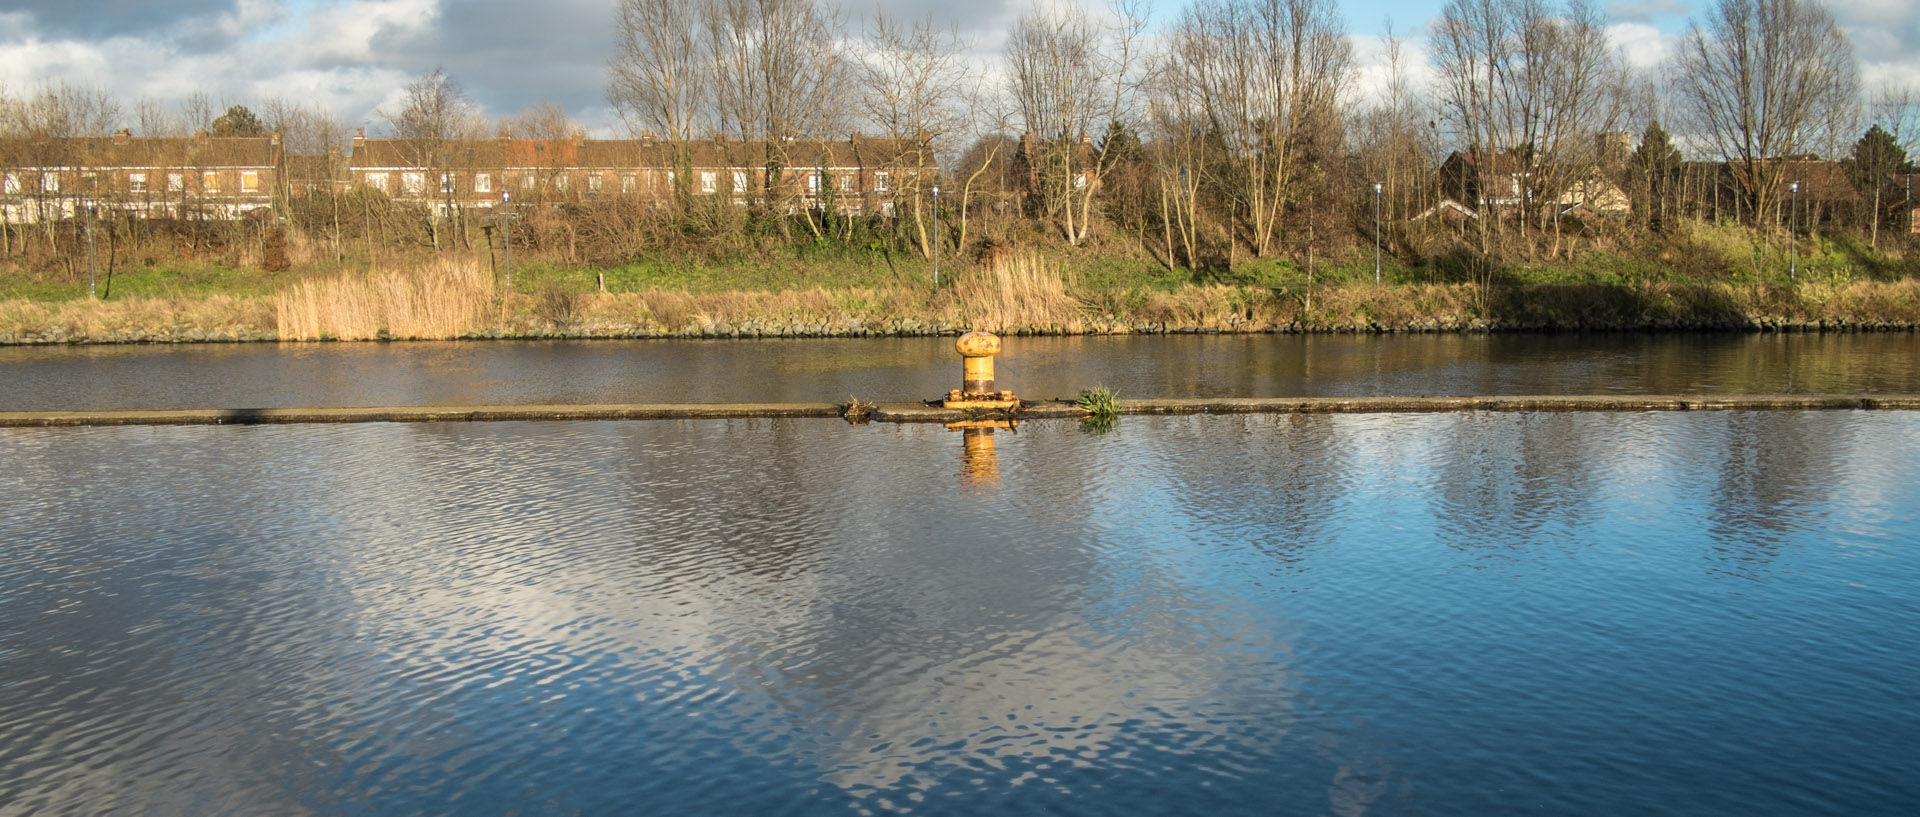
[{"x": 976, "y": 392}]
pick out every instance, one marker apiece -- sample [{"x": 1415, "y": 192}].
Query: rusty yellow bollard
[{"x": 976, "y": 392}]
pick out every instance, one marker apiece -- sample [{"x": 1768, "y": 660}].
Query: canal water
[
  {"x": 1634, "y": 613},
  {"x": 884, "y": 369}
]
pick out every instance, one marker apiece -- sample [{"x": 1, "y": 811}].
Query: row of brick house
[
  {"x": 200, "y": 176},
  {"x": 208, "y": 177},
  {"x": 234, "y": 177},
  {"x": 854, "y": 176}
]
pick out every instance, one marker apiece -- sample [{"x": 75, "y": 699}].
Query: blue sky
[{"x": 352, "y": 56}]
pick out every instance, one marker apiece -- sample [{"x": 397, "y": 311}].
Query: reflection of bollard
[
  {"x": 979, "y": 463},
  {"x": 977, "y": 392}
]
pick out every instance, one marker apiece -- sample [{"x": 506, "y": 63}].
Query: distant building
[{"x": 211, "y": 177}]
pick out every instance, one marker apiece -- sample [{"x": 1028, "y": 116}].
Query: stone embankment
[
  {"x": 926, "y": 413},
  {"x": 908, "y": 328}
]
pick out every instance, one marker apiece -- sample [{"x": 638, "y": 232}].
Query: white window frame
[
  {"x": 176, "y": 182},
  {"x": 880, "y": 181},
  {"x": 739, "y": 181},
  {"x": 482, "y": 182},
  {"x": 629, "y": 182},
  {"x": 413, "y": 182},
  {"x": 709, "y": 181},
  {"x": 209, "y": 181},
  {"x": 596, "y": 181},
  {"x": 136, "y": 182},
  {"x": 49, "y": 182},
  {"x": 378, "y": 181},
  {"x": 249, "y": 181}
]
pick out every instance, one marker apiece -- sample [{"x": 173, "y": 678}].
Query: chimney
[
  {"x": 646, "y": 137},
  {"x": 359, "y": 138},
  {"x": 275, "y": 137},
  {"x": 122, "y": 136},
  {"x": 1086, "y": 138},
  {"x": 854, "y": 137}
]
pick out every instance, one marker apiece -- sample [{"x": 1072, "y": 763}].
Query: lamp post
[
  {"x": 1793, "y": 232},
  {"x": 1376, "y": 232},
  {"x": 506, "y": 219},
  {"x": 90, "y": 274},
  {"x": 936, "y": 236}
]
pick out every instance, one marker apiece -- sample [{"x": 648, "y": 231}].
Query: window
[
  {"x": 846, "y": 182},
  {"x": 629, "y": 183},
  {"x": 249, "y": 181},
  {"x": 482, "y": 182},
  {"x": 446, "y": 184},
  {"x": 413, "y": 183},
  {"x": 880, "y": 182},
  {"x": 12, "y": 184},
  {"x": 1080, "y": 182},
  {"x": 594, "y": 181},
  {"x": 739, "y": 181},
  {"x": 708, "y": 180},
  {"x": 210, "y": 181},
  {"x": 49, "y": 182},
  {"x": 136, "y": 182},
  {"x": 813, "y": 182},
  {"x": 527, "y": 182},
  {"x": 177, "y": 182},
  {"x": 559, "y": 181},
  {"x": 377, "y": 181}
]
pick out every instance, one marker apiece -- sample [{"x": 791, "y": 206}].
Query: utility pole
[{"x": 936, "y": 236}]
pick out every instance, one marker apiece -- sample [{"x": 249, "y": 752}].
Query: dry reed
[
  {"x": 446, "y": 298},
  {"x": 1016, "y": 292}
]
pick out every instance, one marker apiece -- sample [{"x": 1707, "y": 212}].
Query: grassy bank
[{"x": 1016, "y": 293}]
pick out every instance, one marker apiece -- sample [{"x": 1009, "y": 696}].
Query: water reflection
[
  {"x": 980, "y": 464},
  {"x": 581, "y": 372},
  {"x": 1183, "y": 615}
]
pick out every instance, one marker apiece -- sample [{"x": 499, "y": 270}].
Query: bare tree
[
  {"x": 1069, "y": 73},
  {"x": 433, "y": 115},
  {"x": 778, "y": 73},
  {"x": 1268, "y": 75},
  {"x": 661, "y": 76},
  {"x": 1763, "y": 80},
  {"x": 912, "y": 78}
]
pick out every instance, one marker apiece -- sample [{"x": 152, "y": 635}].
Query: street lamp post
[
  {"x": 936, "y": 236},
  {"x": 90, "y": 274},
  {"x": 506, "y": 219},
  {"x": 1793, "y": 232},
  {"x": 1376, "y": 232}
]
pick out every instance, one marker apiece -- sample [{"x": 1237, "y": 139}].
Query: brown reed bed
[{"x": 446, "y": 298}]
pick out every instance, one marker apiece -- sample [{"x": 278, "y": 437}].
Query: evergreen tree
[
  {"x": 1655, "y": 167},
  {"x": 237, "y": 121},
  {"x": 1874, "y": 168}
]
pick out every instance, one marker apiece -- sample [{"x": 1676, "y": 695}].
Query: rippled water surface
[
  {"x": 574, "y": 372},
  {"x": 1583, "y": 614}
]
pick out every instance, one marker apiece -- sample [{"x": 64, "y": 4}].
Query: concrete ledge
[
  {"x": 923, "y": 413},
  {"x": 1404, "y": 405}
]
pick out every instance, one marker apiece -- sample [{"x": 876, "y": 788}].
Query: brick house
[
  {"x": 859, "y": 175},
  {"x": 210, "y": 177}
]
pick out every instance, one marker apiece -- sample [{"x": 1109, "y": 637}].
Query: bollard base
[{"x": 970, "y": 401}]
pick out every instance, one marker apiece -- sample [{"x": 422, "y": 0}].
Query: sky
[{"x": 352, "y": 56}]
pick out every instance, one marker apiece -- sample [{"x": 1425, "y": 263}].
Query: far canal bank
[{"x": 399, "y": 306}]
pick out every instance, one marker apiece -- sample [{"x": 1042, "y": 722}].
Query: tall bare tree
[
  {"x": 661, "y": 77},
  {"x": 913, "y": 77},
  {"x": 432, "y": 117},
  {"x": 1268, "y": 76},
  {"x": 779, "y": 73},
  {"x": 1763, "y": 80},
  {"x": 1069, "y": 73}
]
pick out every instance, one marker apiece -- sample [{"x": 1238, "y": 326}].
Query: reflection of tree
[
  {"x": 1509, "y": 482},
  {"x": 1769, "y": 467}
]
